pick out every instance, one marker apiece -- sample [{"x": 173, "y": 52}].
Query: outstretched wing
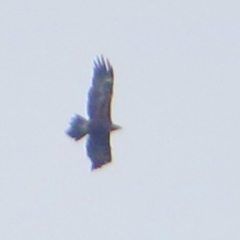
[
  {"x": 98, "y": 149},
  {"x": 100, "y": 94}
]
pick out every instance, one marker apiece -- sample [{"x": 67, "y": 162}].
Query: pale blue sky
[{"x": 176, "y": 163}]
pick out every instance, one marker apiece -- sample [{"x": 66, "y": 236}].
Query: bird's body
[{"x": 99, "y": 125}]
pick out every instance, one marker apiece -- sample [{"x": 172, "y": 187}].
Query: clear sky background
[{"x": 176, "y": 162}]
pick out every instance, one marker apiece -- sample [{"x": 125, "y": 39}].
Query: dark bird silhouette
[{"x": 99, "y": 125}]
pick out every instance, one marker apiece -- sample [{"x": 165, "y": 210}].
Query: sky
[{"x": 176, "y": 161}]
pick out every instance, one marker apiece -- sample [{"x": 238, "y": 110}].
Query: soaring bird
[{"x": 100, "y": 124}]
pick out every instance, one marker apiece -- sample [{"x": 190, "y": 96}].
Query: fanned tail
[{"x": 78, "y": 127}]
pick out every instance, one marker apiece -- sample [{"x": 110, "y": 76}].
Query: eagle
[{"x": 99, "y": 125}]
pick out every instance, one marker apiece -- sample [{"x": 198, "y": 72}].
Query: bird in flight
[{"x": 99, "y": 125}]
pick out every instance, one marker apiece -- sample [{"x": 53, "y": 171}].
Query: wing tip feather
[{"x": 102, "y": 63}]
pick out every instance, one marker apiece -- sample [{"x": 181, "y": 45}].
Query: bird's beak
[{"x": 116, "y": 127}]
